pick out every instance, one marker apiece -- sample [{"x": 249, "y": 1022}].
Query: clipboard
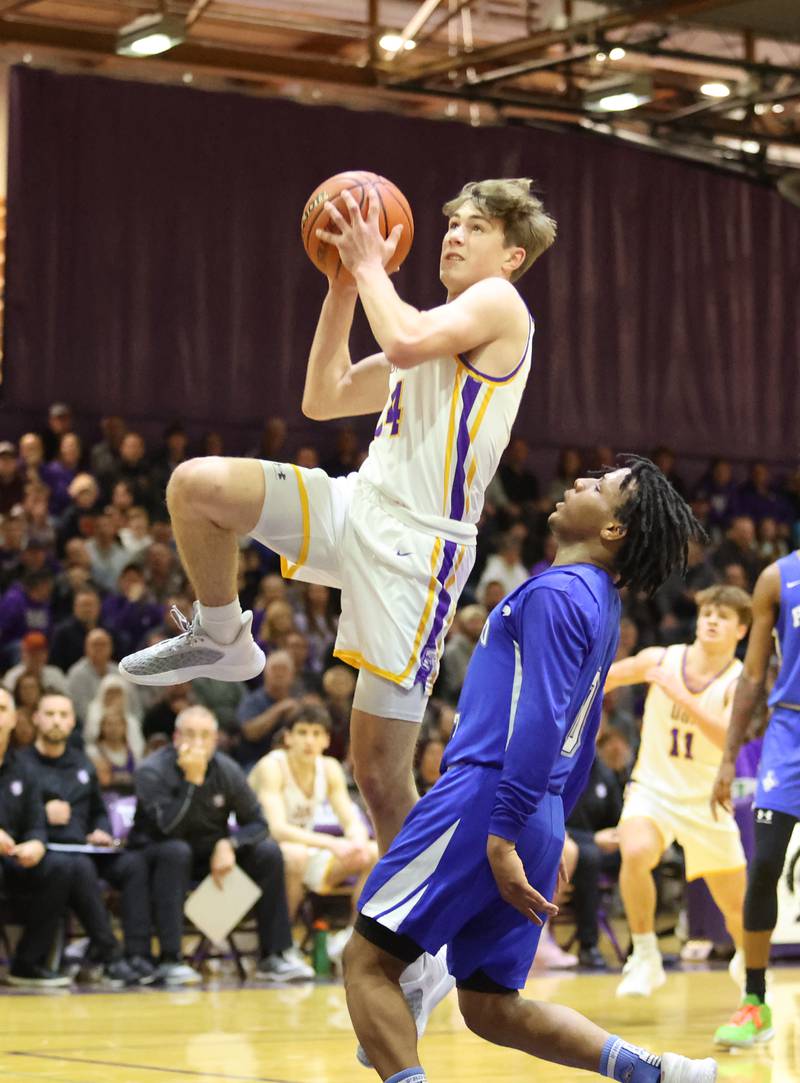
[{"x": 217, "y": 911}]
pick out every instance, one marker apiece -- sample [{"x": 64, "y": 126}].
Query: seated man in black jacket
[
  {"x": 77, "y": 815},
  {"x": 185, "y": 794},
  {"x": 593, "y": 826},
  {"x": 36, "y": 882}
]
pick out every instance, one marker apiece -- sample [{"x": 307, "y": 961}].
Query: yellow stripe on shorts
[{"x": 288, "y": 570}]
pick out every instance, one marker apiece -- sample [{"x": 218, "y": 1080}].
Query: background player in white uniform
[
  {"x": 686, "y": 716},
  {"x": 293, "y": 785},
  {"x": 398, "y": 537}
]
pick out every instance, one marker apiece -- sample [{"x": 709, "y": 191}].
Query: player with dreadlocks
[{"x": 478, "y": 858}]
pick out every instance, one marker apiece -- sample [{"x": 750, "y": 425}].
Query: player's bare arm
[
  {"x": 751, "y": 683},
  {"x": 713, "y": 726},
  {"x": 335, "y": 387},
  {"x": 343, "y": 806},
  {"x": 488, "y": 316},
  {"x": 633, "y": 670}
]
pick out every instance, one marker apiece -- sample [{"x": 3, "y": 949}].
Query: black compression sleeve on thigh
[
  {"x": 772, "y": 833},
  {"x": 479, "y": 982},
  {"x": 401, "y": 947}
]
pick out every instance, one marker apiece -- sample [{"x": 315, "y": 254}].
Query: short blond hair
[
  {"x": 526, "y": 223},
  {"x": 731, "y": 597}
]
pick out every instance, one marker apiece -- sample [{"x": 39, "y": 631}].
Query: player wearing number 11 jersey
[{"x": 686, "y": 716}]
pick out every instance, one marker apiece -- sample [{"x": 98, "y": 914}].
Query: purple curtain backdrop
[{"x": 155, "y": 270}]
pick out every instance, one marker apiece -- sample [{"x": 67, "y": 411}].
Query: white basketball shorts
[
  {"x": 709, "y": 845},
  {"x": 400, "y": 582}
]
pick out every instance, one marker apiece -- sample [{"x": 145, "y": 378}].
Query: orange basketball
[{"x": 394, "y": 210}]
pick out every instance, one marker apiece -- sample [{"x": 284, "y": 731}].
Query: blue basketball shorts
[
  {"x": 435, "y": 885},
  {"x": 779, "y": 771}
]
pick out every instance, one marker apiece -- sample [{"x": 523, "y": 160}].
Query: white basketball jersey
[
  {"x": 675, "y": 758},
  {"x": 301, "y": 810},
  {"x": 440, "y": 437}
]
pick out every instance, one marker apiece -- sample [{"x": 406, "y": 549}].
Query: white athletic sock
[
  {"x": 222, "y": 622},
  {"x": 645, "y": 944}
]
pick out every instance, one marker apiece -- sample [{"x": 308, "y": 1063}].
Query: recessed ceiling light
[
  {"x": 393, "y": 43},
  {"x": 617, "y": 53},
  {"x": 715, "y": 90}
]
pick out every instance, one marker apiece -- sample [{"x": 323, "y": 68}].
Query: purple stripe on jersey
[
  {"x": 428, "y": 656},
  {"x": 469, "y": 393}
]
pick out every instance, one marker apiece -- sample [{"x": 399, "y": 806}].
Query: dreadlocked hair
[{"x": 659, "y": 523}]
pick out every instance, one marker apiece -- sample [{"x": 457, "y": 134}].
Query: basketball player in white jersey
[
  {"x": 398, "y": 537},
  {"x": 686, "y": 717},
  {"x": 294, "y": 784}
]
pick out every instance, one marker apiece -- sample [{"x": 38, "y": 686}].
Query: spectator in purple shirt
[
  {"x": 758, "y": 499},
  {"x": 131, "y": 612},
  {"x": 25, "y": 607},
  {"x": 59, "y": 474},
  {"x": 719, "y": 489}
]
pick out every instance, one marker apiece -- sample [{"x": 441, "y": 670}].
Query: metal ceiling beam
[
  {"x": 193, "y": 53},
  {"x": 513, "y": 71},
  {"x": 587, "y": 30},
  {"x": 758, "y": 67}
]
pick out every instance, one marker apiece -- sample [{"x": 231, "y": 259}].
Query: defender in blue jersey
[
  {"x": 776, "y": 807},
  {"x": 478, "y": 858}
]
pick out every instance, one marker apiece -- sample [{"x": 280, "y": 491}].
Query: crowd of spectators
[{"x": 89, "y": 572}]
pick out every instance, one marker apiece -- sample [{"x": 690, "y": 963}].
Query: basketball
[{"x": 394, "y": 210}]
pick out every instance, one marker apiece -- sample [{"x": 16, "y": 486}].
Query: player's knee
[
  {"x": 637, "y": 854},
  {"x": 202, "y": 483},
  {"x": 764, "y": 873},
  {"x": 482, "y": 1012},
  {"x": 295, "y": 858}
]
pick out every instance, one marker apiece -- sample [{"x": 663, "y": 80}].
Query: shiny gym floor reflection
[{"x": 302, "y": 1034}]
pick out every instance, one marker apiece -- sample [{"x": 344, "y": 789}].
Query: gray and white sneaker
[
  {"x": 284, "y": 966},
  {"x": 194, "y": 653},
  {"x": 176, "y": 973},
  {"x": 422, "y": 994}
]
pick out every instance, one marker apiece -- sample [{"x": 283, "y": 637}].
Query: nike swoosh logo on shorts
[
  {"x": 793, "y": 583},
  {"x": 408, "y": 554}
]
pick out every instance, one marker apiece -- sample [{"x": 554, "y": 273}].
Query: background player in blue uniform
[
  {"x": 776, "y": 808},
  {"x": 478, "y": 858}
]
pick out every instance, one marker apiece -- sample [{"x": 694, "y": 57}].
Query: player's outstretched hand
[
  {"x": 721, "y": 790},
  {"x": 360, "y": 242},
  {"x": 509, "y": 875}
]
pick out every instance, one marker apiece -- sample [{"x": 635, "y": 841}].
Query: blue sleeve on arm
[
  {"x": 581, "y": 769},
  {"x": 554, "y": 639}
]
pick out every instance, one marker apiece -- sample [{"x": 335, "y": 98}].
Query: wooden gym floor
[{"x": 301, "y": 1033}]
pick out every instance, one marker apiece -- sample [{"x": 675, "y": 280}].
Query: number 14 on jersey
[{"x": 394, "y": 412}]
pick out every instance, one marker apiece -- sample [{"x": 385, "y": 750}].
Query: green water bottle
[{"x": 321, "y": 962}]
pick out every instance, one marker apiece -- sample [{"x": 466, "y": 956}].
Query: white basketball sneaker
[
  {"x": 422, "y": 994},
  {"x": 641, "y": 975},
  {"x": 678, "y": 1069},
  {"x": 194, "y": 653}
]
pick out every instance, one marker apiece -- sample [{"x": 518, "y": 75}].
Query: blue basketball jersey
[
  {"x": 531, "y": 700},
  {"x": 778, "y": 785},
  {"x": 786, "y": 689}
]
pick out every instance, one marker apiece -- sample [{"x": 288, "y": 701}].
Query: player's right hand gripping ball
[{"x": 394, "y": 210}]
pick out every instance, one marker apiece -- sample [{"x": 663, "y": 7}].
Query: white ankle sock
[
  {"x": 222, "y": 622},
  {"x": 645, "y": 944}
]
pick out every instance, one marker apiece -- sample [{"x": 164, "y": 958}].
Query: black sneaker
[
  {"x": 144, "y": 968},
  {"x": 592, "y": 959},
  {"x": 33, "y": 976},
  {"x": 119, "y": 972}
]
